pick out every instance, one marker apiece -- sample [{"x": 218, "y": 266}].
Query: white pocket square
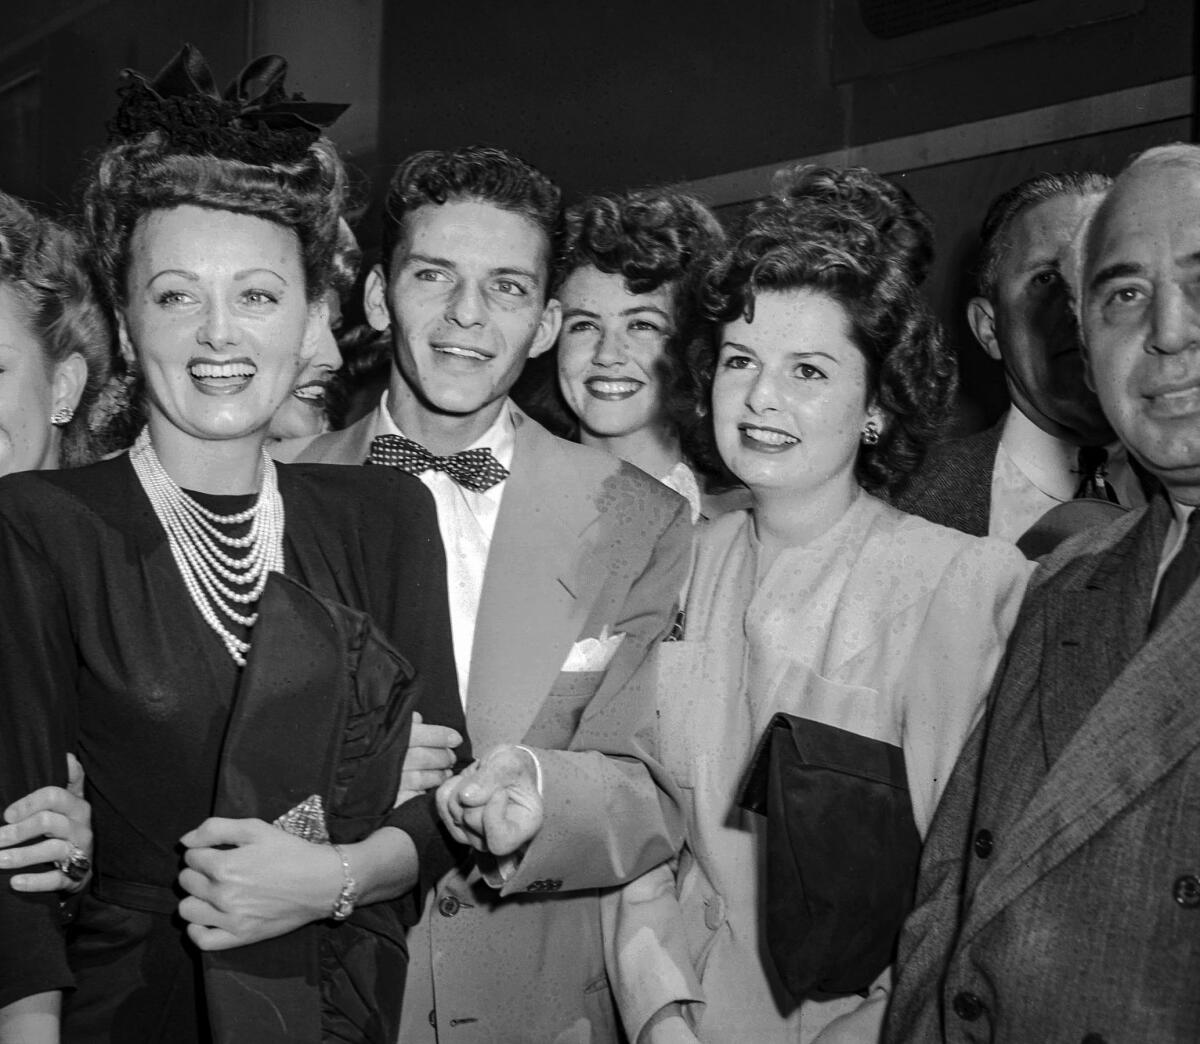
[{"x": 593, "y": 654}]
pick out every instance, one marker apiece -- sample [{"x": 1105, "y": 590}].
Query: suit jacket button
[
  {"x": 448, "y": 906},
  {"x": 1187, "y": 891},
  {"x": 984, "y": 844},
  {"x": 1093, "y": 1038},
  {"x": 968, "y": 1006}
]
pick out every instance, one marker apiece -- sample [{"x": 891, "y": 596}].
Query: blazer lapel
[
  {"x": 537, "y": 589},
  {"x": 1144, "y": 723}
]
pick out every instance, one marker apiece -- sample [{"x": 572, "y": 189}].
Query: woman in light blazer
[{"x": 821, "y": 382}]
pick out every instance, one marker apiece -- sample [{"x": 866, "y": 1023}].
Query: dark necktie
[
  {"x": 1093, "y": 475},
  {"x": 475, "y": 469},
  {"x": 1180, "y": 574}
]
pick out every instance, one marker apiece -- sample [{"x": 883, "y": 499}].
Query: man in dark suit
[
  {"x": 1053, "y": 442},
  {"x": 1059, "y": 897},
  {"x": 564, "y": 567}
]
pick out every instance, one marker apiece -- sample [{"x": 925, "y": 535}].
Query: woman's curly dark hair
[
  {"x": 44, "y": 265},
  {"x": 652, "y": 238},
  {"x": 861, "y": 240}
]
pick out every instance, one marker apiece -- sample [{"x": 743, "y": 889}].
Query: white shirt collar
[{"x": 1047, "y": 462}]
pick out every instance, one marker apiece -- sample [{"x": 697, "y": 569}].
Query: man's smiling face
[{"x": 466, "y": 298}]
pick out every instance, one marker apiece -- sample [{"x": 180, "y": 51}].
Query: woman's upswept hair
[
  {"x": 133, "y": 178},
  {"x": 651, "y": 238},
  {"x": 43, "y": 264},
  {"x": 862, "y": 241},
  {"x": 346, "y": 261}
]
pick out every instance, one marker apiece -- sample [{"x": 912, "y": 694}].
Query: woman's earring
[
  {"x": 870, "y": 434},
  {"x": 62, "y": 416}
]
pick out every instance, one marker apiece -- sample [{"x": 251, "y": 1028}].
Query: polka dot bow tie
[{"x": 475, "y": 469}]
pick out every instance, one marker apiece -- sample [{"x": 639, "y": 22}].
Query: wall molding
[{"x": 1117, "y": 110}]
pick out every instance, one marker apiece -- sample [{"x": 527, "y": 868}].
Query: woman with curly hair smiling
[
  {"x": 625, "y": 279},
  {"x": 820, "y": 381}
]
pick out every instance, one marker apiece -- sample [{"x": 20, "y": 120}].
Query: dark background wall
[
  {"x": 638, "y": 90},
  {"x": 614, "y": 93}
]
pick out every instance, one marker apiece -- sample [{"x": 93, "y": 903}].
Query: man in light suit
[
  {"x": 1053, "y": 442},
  {"x": 1060, "y": 886},
  {"x": 564, "y": 568}
]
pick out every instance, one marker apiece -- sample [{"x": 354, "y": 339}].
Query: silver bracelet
[{"x": 343, "y": 905}]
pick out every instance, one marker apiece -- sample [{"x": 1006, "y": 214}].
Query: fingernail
[{"x": 20, "y": 883}]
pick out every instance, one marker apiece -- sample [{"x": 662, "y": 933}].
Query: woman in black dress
[{"x": 147, "y": 628}]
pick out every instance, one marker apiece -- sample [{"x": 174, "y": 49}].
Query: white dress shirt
[
  {"x": 1034, "y": 471},
  {"x": 467, "y": 521}
]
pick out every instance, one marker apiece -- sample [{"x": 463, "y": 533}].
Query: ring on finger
[{"x": 76, "y": 866}]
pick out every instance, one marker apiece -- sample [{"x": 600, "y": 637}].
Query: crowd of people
[{"x": 664, "y": 651}]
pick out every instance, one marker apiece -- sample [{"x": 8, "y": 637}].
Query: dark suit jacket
[
  {"x": 953, "y": 486},
  {"x": 1059, "y": 893}
]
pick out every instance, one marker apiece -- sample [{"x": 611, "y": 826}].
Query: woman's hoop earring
[{"x": 870, "y": 434}]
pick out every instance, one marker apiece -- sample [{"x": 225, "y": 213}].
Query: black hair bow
[{"x": 255, "y": 120}]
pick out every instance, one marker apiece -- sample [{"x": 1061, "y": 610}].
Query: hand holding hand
[
  {"x": 267, "y": 884},
  {"x": 64, "y": 820},
  {"x": 429, "y": 760},
  {"x": 494, "y": 806}
]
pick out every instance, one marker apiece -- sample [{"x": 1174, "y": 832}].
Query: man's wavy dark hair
[
  {"x": 481, "y": 173},
  {"x": 861, "y": 240}
]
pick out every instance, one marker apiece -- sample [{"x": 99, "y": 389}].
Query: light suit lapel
[
  {"x": 1143, "y": 724},
  {"x": 537, "y": 590}
]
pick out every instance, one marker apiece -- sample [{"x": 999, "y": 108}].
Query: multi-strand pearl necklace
[{"x": 221, "y": 584}]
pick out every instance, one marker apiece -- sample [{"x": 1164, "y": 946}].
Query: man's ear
[
  {"x": 375, "y": 299},
  {"x": 318, "y": 320},
  {"x": 547, "y": 330},
  {"x": 982, "y": 319}
]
